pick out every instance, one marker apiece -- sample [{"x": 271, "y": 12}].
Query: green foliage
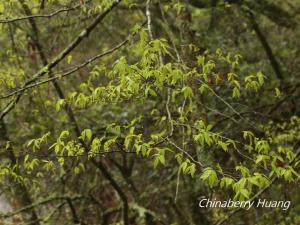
[
  {"x": 127, "y": 125},
  {"x": 210, "y": 176}
]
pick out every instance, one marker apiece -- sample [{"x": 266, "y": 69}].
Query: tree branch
[
  {"x": 85, "y": 33},
  {"x": 33, "y": 205},
  {"x": 11, "y": 20},
  {"x": 274, "y": 63},
  {"x": 222, "y": 221},
  {"x": 75, "y": 69}
]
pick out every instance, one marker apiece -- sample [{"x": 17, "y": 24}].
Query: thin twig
[
  {"x": 11, "y": 20},
  {"x": 45, "y": 201},
  {"x": 186, "y": 153},
  {"x": 75, "y": 69}
]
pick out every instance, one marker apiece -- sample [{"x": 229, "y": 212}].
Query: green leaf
[
  {"x": 64, "y": 134},
  {"x": 236, "y": 93},
  {"x": 187, "y": 92},
  {"x": 210, "y": 175},
  {"x": 262, "y": 158},
  {"x": 223, "y": 145},
  {"x": 69, "y": 59},
  {"x": 183, "y": 167},
  {"x": 201, "y": 60},
  {"x": 245, "y": 193},
  {"x": 203, "y": 87},
  {"x": 226, "y": 182},
  {"x": 86, "y": 133},
  {"x": 261, "y": 78},
  {"x": 59, "y": 104},
  {"x": 277, "y": 93},
  {"x": 108, "y": 143},
  {"x": 160, "y": 158},
  {"x": 245, "y": 171}
]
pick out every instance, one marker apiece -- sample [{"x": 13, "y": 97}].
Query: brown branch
[
  {"x": 271, "y": 10},
  {"x": 118, "y": 189},
  {"x": 81, "y": 155},
  {"x": 33, "y": 205},
  {"x": 76, "y": 219},
  {"x": 273, "y": 61},
  {"x": 11, "y": 20}
]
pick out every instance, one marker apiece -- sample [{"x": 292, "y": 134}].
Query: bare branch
[
  {"x": 44, "y": 201},
  {"x": 11, "y": 20}
]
